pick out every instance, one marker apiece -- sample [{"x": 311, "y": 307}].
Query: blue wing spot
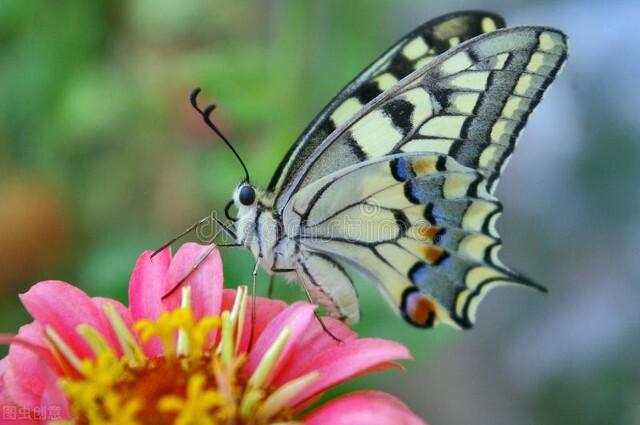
[
  {"x": 414, "y": 192},
  {"x": 437, "y": 213},
  {"x": 432, "y": 213},
  {"x": 419, "y": 273},
  {"x": 401, "y": 169}
]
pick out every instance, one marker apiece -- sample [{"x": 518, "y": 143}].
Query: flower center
[{"x": 195, "y": 381}]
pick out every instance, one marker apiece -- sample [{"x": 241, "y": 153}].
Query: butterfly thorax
[{"x": 260, "y": 229}]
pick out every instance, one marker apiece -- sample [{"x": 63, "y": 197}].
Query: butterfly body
[
  {"x": 396, "y": 176},
  {"x": 279, "y": 249}
]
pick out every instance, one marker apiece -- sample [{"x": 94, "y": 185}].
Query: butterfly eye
[{"x": 247, "y": 195}]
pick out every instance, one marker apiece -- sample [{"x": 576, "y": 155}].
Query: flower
[{"x": 192, "y": 358}]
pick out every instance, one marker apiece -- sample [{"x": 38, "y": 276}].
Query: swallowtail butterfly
[{"x": 396, "y": 176}]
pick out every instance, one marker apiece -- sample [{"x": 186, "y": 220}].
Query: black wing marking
[
  {"x": 411, "y": 52},
  {"x": 470, "y": 103},
  {"x": 421, "y": 226}
]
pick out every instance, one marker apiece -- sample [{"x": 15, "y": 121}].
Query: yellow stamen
[
  {"x": 183, "y": 338},
  {"x": 238, "y": 313},
  {"x": 67, "y": 371},
  {"x": 269, "y": 359},
  {"x": 163, "y": 328},
  {"x": 119, "y": 412},
  {"x": 254, "y": 394},
  {"x": 193, "y": 336},
  {"x": 278, "y": 400},
  {"x": 89, "y": 393},
  {"x": 226, "y": 339},
  {"x": 196, "y": 408},
  {"x": 94, "y": 339},
  {"x": 128, "y": 342},
  {"x": 62, "y": 347},
  {"x": 250, "y": 402},
  {"x": 192, "y": 383}
]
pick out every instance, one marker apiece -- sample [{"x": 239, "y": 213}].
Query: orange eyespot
[{"x": 420, "y": 310}]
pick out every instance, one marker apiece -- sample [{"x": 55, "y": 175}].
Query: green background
[{"x": 101, "y": 157}]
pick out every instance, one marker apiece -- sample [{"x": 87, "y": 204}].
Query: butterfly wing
[
  {"x": 422, "y": 226},
  {"x": 470, "y": 103},
  {"x": 426, "y": 156},
  {"x": 411, "y": 52}
]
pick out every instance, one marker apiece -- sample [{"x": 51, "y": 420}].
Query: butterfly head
[{"x": 244, "y": 198}]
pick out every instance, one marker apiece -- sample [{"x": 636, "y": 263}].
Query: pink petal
[
  {"x": 266, "y": 310},
  {"x": 64, "y": 307},
  {"x": 146, "y": 285},
  {"x": 316, "y": 341},
  {"x": 363, "y": 408},
  {"x": 21, "y": 394},
  {"x": 26, "y": 371},
  {"x": 146, "y": 290},
  {"x": 205, "y": 282},
  {"x": 12, "y": 411},
  {"x": 348, "y": 360},
  {"x": 297, "y": 317},
  {"x": 54, "y": 404},
  {"x": 9, "y": 407},
  {"x": 5, "y": 399},
  {"x": 31, "y": 414},
  {"x": 4, "y": 364}
]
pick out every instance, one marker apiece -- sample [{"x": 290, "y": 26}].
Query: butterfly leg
[
  {"x": 193, "y": 269},
  {"x": 272, "y": 279},
  {"x": 190, "y": 229},
  {"x": 270, "y": 287},
  {"x": 318, "y": 317}
]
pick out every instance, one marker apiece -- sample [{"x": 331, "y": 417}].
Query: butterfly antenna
[{"x": 206, "y": 117}]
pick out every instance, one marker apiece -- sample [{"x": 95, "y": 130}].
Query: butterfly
[{"x": 396, "y": 176}]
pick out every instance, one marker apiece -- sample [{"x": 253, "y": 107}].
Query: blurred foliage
[{"x": 102, "y": 157}]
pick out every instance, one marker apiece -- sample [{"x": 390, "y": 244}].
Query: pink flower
[{"x": 188, "y": 359}]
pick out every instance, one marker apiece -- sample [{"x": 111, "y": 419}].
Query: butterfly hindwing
[
  {"x": 422, "y": 226},
  {"x": 411, "y": 52}
]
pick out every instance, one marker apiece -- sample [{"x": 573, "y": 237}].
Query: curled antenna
[{"x": 206, "y": 117}]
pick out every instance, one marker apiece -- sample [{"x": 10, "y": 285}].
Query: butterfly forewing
[
  {"x": 471, "y": 103},
  {"x": 412, "y": 52}
]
